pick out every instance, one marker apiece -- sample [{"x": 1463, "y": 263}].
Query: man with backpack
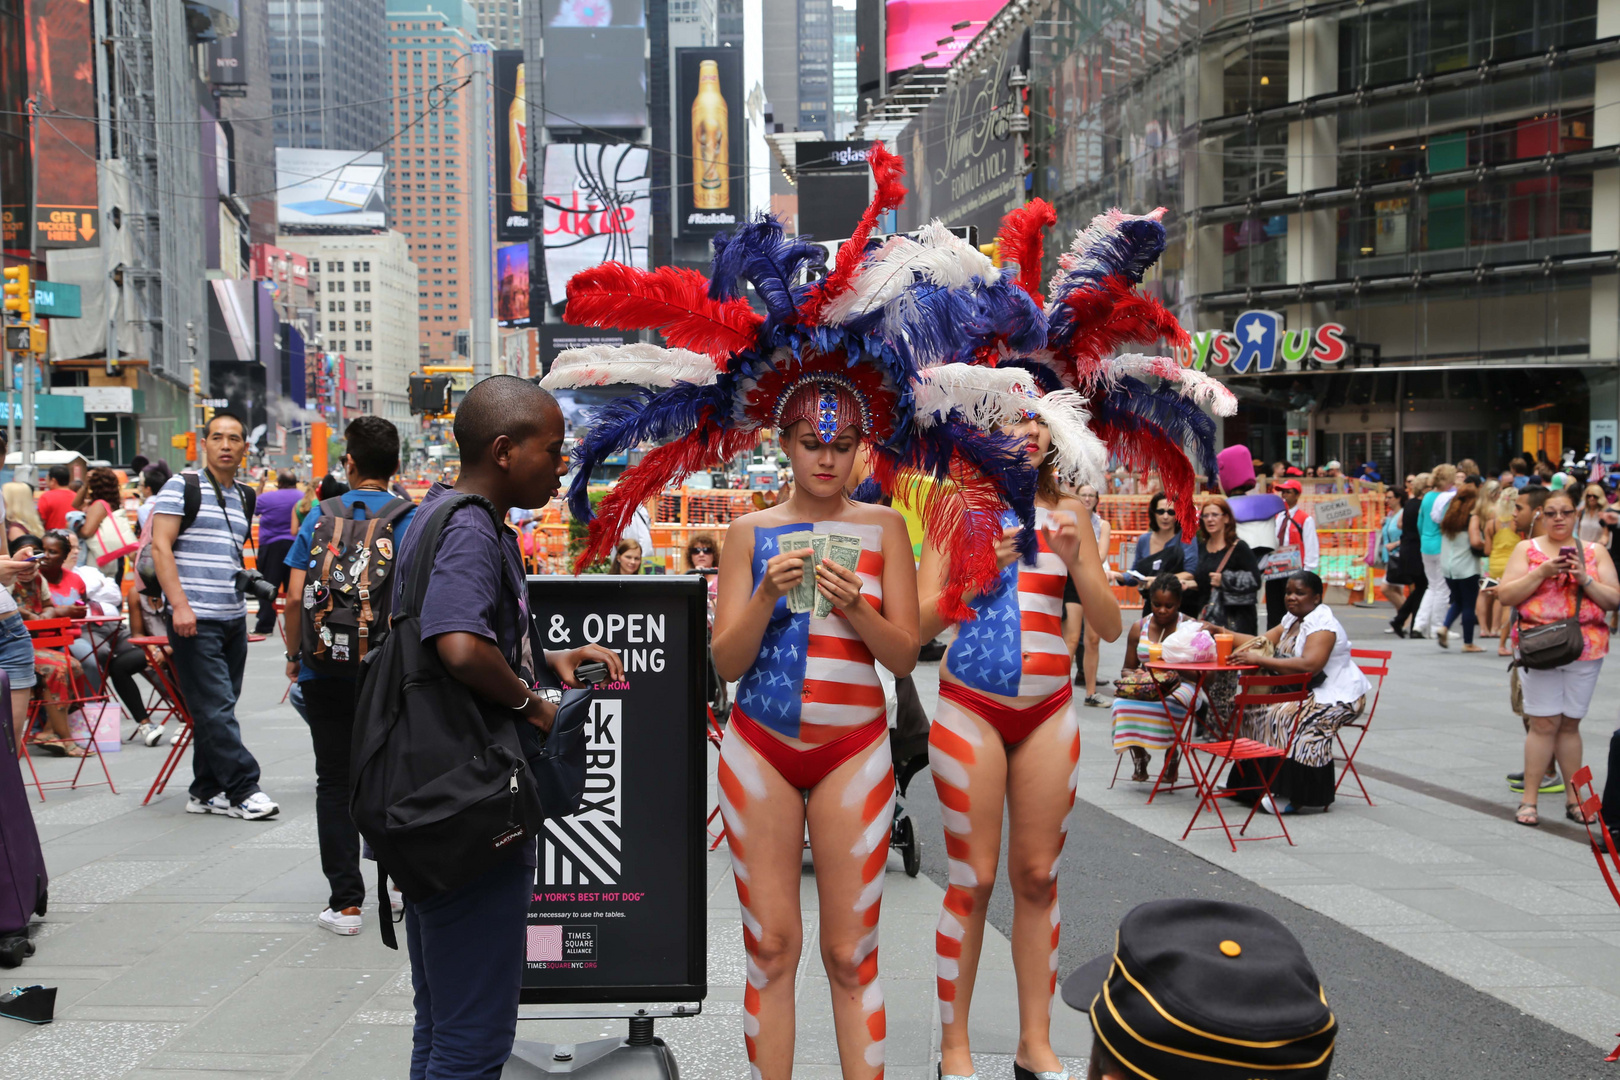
[
  {"x": 462, "y": 643},
  {"x": 199, "y": 525},
  {"x": 340, "y": 584}
]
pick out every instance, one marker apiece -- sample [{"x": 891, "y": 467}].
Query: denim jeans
[
  {"x": 329, "y": 712},
  {"x": 210, "y": 666},
  {"x": 467, "y": 949}
]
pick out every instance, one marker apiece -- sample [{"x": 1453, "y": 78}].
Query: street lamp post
[{"x": 482, "y": 296}]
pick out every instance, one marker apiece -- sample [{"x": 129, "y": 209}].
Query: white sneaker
[
  {"x": 396, "y": 899},
  {"x": 255, "y": 806},
  {"x": 345, "y": 922},
  {"x": 148, "y": 734},
  {"x": 172, "y": 738},
  {"x": 219, "y": 804}
]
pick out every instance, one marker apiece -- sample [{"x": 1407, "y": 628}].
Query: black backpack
[
  {"x": 350, "y": 586},
  {"x": 190, "y": 503},
  {"x": 441, "y": 782}
]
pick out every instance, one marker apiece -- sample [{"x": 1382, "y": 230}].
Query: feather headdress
[{"x": 865, "y": 345}]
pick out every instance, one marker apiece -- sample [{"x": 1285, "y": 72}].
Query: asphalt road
[{"x": 1398, "y": 1017}]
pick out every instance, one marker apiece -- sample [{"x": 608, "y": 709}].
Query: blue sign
[
  {"x": 56, "y": 300},
  {"x": 50, "y": 410}
]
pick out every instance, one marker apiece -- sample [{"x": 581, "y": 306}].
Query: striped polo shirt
[{"x": 206, "y": 553}]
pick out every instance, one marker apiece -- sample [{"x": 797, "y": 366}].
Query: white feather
[
  {"x": 1207, "y": 393},
  {"x": 940, "y": 258},
  {"x": 987, "y": 398},
  {"x": 1079, "y": 457},
  {"x": 638, "y": 364}
]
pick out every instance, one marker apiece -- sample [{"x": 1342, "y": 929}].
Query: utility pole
[{"x": 482, "y": 296}]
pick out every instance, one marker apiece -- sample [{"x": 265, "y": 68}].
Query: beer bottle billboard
[
  {"x": 517, "y": 146},
  {"x": 711, "y": 152}
]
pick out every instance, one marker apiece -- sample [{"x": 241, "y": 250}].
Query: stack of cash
[{"x": 841, "y": 549}]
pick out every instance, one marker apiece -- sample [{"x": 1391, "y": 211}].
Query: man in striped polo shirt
[{"x": 197, "y": 568}]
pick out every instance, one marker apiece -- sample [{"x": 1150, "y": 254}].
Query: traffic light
[
  {"x": 430, "y": 394},
  {"x": 19, "y": 291}
]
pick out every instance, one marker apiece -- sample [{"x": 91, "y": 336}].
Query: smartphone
[
  {"x": 35, "y": 557},
  {"x": 1569, "y": 554},
  {"x": 592, "y": 673}
]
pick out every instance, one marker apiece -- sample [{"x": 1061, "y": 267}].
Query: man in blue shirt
[{"x": 371, "y": 459}]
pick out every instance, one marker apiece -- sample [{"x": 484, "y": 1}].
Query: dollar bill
[
  {"x": 846, "y": 552},
  {"x": 812, "y": 596},
  {"x": 801, "y": 597}
]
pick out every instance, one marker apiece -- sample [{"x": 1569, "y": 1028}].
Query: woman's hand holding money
[
  {"x": 840, "y": 586},
  {"x": 782, "y": 573}
]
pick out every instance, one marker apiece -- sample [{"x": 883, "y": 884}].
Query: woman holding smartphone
[{"x": 1548, "y": 578}]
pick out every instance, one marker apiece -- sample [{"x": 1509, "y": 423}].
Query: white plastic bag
[{"x": 1189, "y": 644}]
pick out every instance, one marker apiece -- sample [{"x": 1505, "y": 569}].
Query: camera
[{"x": 252, "y": 583}]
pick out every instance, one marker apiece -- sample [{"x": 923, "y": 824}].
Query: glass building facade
[{"x": 1435, "y": 177}]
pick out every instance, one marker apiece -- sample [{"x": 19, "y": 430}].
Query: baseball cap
[
  {"x": 1289, "y": 485},
  {"x": 1207, "y": 990},
  {"x": 1293, "y": 470},
  {"x": 1332, "y": 465}
]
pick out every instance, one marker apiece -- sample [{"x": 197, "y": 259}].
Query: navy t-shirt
[{"x": 464, "y": 591}]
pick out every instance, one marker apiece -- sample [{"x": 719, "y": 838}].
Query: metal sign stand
[{"x": 640, "y": 1055}]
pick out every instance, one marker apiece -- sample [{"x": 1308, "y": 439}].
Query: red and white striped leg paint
[
  {"x": 870, "y": 793},
  {"x": 742, "y": 790},
  {"x": 954, "y": 745},
  {"x": 1070, "y": 735}
]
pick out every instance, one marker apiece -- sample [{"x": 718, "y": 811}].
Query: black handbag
[
  {"x": 1215, "y": 608},
  {"x": 1554, "y": 644}
]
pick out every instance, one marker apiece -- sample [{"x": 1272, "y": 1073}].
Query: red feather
[
  {"x": 962, "y": 518},
  {"x": 1150, "y": 448},
  {"x": 1022, "y": 241},
  {"x": 658, "y": 469},
  {"x": 1114, "y": 314},
  {"x": 671, "y": 299},
  {"x": 887, "y": 168}
]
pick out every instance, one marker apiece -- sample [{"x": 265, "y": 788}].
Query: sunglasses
[
  {"x": 1558, "y": 513},
  {"x": 700, "y": 551},
  {"x": 1165, "y": 513}
]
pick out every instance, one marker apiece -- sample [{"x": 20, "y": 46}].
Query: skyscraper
[
  {"x": 429, "y": 45},
  {"x": 843, "y": 68},
  {"x": 500, "y": 22},
  {"x": 815, "y": 65},
  {"x": 729, "y": 23},
  {"x": 328, "y": 73}
]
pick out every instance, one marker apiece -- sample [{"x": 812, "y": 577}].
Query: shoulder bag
[
  {"x": 1215, "y": 608},
  {"x": 1555, "y": 644}
]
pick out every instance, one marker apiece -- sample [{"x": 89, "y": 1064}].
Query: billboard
[
  {"x": 512, "y": 187},
  {"x": 61, "y": 64},
  {"x": 226, "y": 58},
  {"x": 834, "y": 184},
  {"x": 512, "y": 285},
  {"x": 915, "y": 27},
  {"x": 711, "y": 180},
  {"x": 960, "y": 153},
  {"x": 330, "y": 187},
  {"x": 598, "y": 208},
  {"x": 595, "y": 64}
]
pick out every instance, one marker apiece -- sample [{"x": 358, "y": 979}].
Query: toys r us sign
[{"x": 1257, "y": 344}]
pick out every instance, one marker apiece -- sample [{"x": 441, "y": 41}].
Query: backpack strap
[
  {"x": 190, "y": 499},
  {"x": 413, "y": 588}
]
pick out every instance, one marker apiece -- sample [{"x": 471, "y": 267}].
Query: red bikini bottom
[
  {"x": 1014, "y": 725},
  {"x": 804, "y": 769}
]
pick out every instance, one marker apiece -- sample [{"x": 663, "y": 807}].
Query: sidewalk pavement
[{"x": 185, "y": 946}]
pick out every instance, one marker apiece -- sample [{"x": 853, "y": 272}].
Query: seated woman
[
  {"x": 1144, "y": 726},
  {"x": 58, "y": 673},
  {"x": 1309, "y": 640}
]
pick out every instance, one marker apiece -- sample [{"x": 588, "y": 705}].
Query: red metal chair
[
  {"x": 1252, "y": 690},
  {"x": 159, "y": 656},
  {"x": 60, "y": 634},
  {"x": 1592, "y": 807},
  {"x": 1374, "y": 663}
]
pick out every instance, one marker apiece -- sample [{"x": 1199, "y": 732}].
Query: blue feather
[
  {"x": 1046, "y": 380},
  {"x": 1130, "y": 402},
  {"x": 1004, "y": 312},
  {"x": 867, "y": 491},
  {"x": 647, "y": 415},
  {"x": 760, "y": 251},
  {"x": 925, "y": 325},
  {"x": 1127, "y": 251}
]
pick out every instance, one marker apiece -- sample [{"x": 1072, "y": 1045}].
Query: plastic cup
[
  {"x": 1155, "y": 651},
  {"x": 1223, "y": 648}
]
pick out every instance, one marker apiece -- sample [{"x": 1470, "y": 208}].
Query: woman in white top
[{"x": 1308, "y": 640}]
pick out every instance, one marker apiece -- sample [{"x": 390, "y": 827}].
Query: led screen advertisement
[
  {"x": 915, "y": 27},
  {"x": 597, "y": 208},
  {"x": 512, "y": 285},
  {"x": 595, "y": 64},
  {"x": 711, "y": 182},
  {"x": 61, "y": 69},
  {"x": 512, "y": 187},
  {"x": 330, "y": 187}
]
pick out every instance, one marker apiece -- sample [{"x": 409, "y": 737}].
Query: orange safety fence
[{"x": 679, "y": 514}]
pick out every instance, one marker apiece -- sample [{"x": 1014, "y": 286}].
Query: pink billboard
[{"x": 916, "y": 27}]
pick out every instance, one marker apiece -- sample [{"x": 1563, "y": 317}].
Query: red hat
[
  {"x": 1290, "y": 485},
  {"x": 1293, "y": 470}
]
